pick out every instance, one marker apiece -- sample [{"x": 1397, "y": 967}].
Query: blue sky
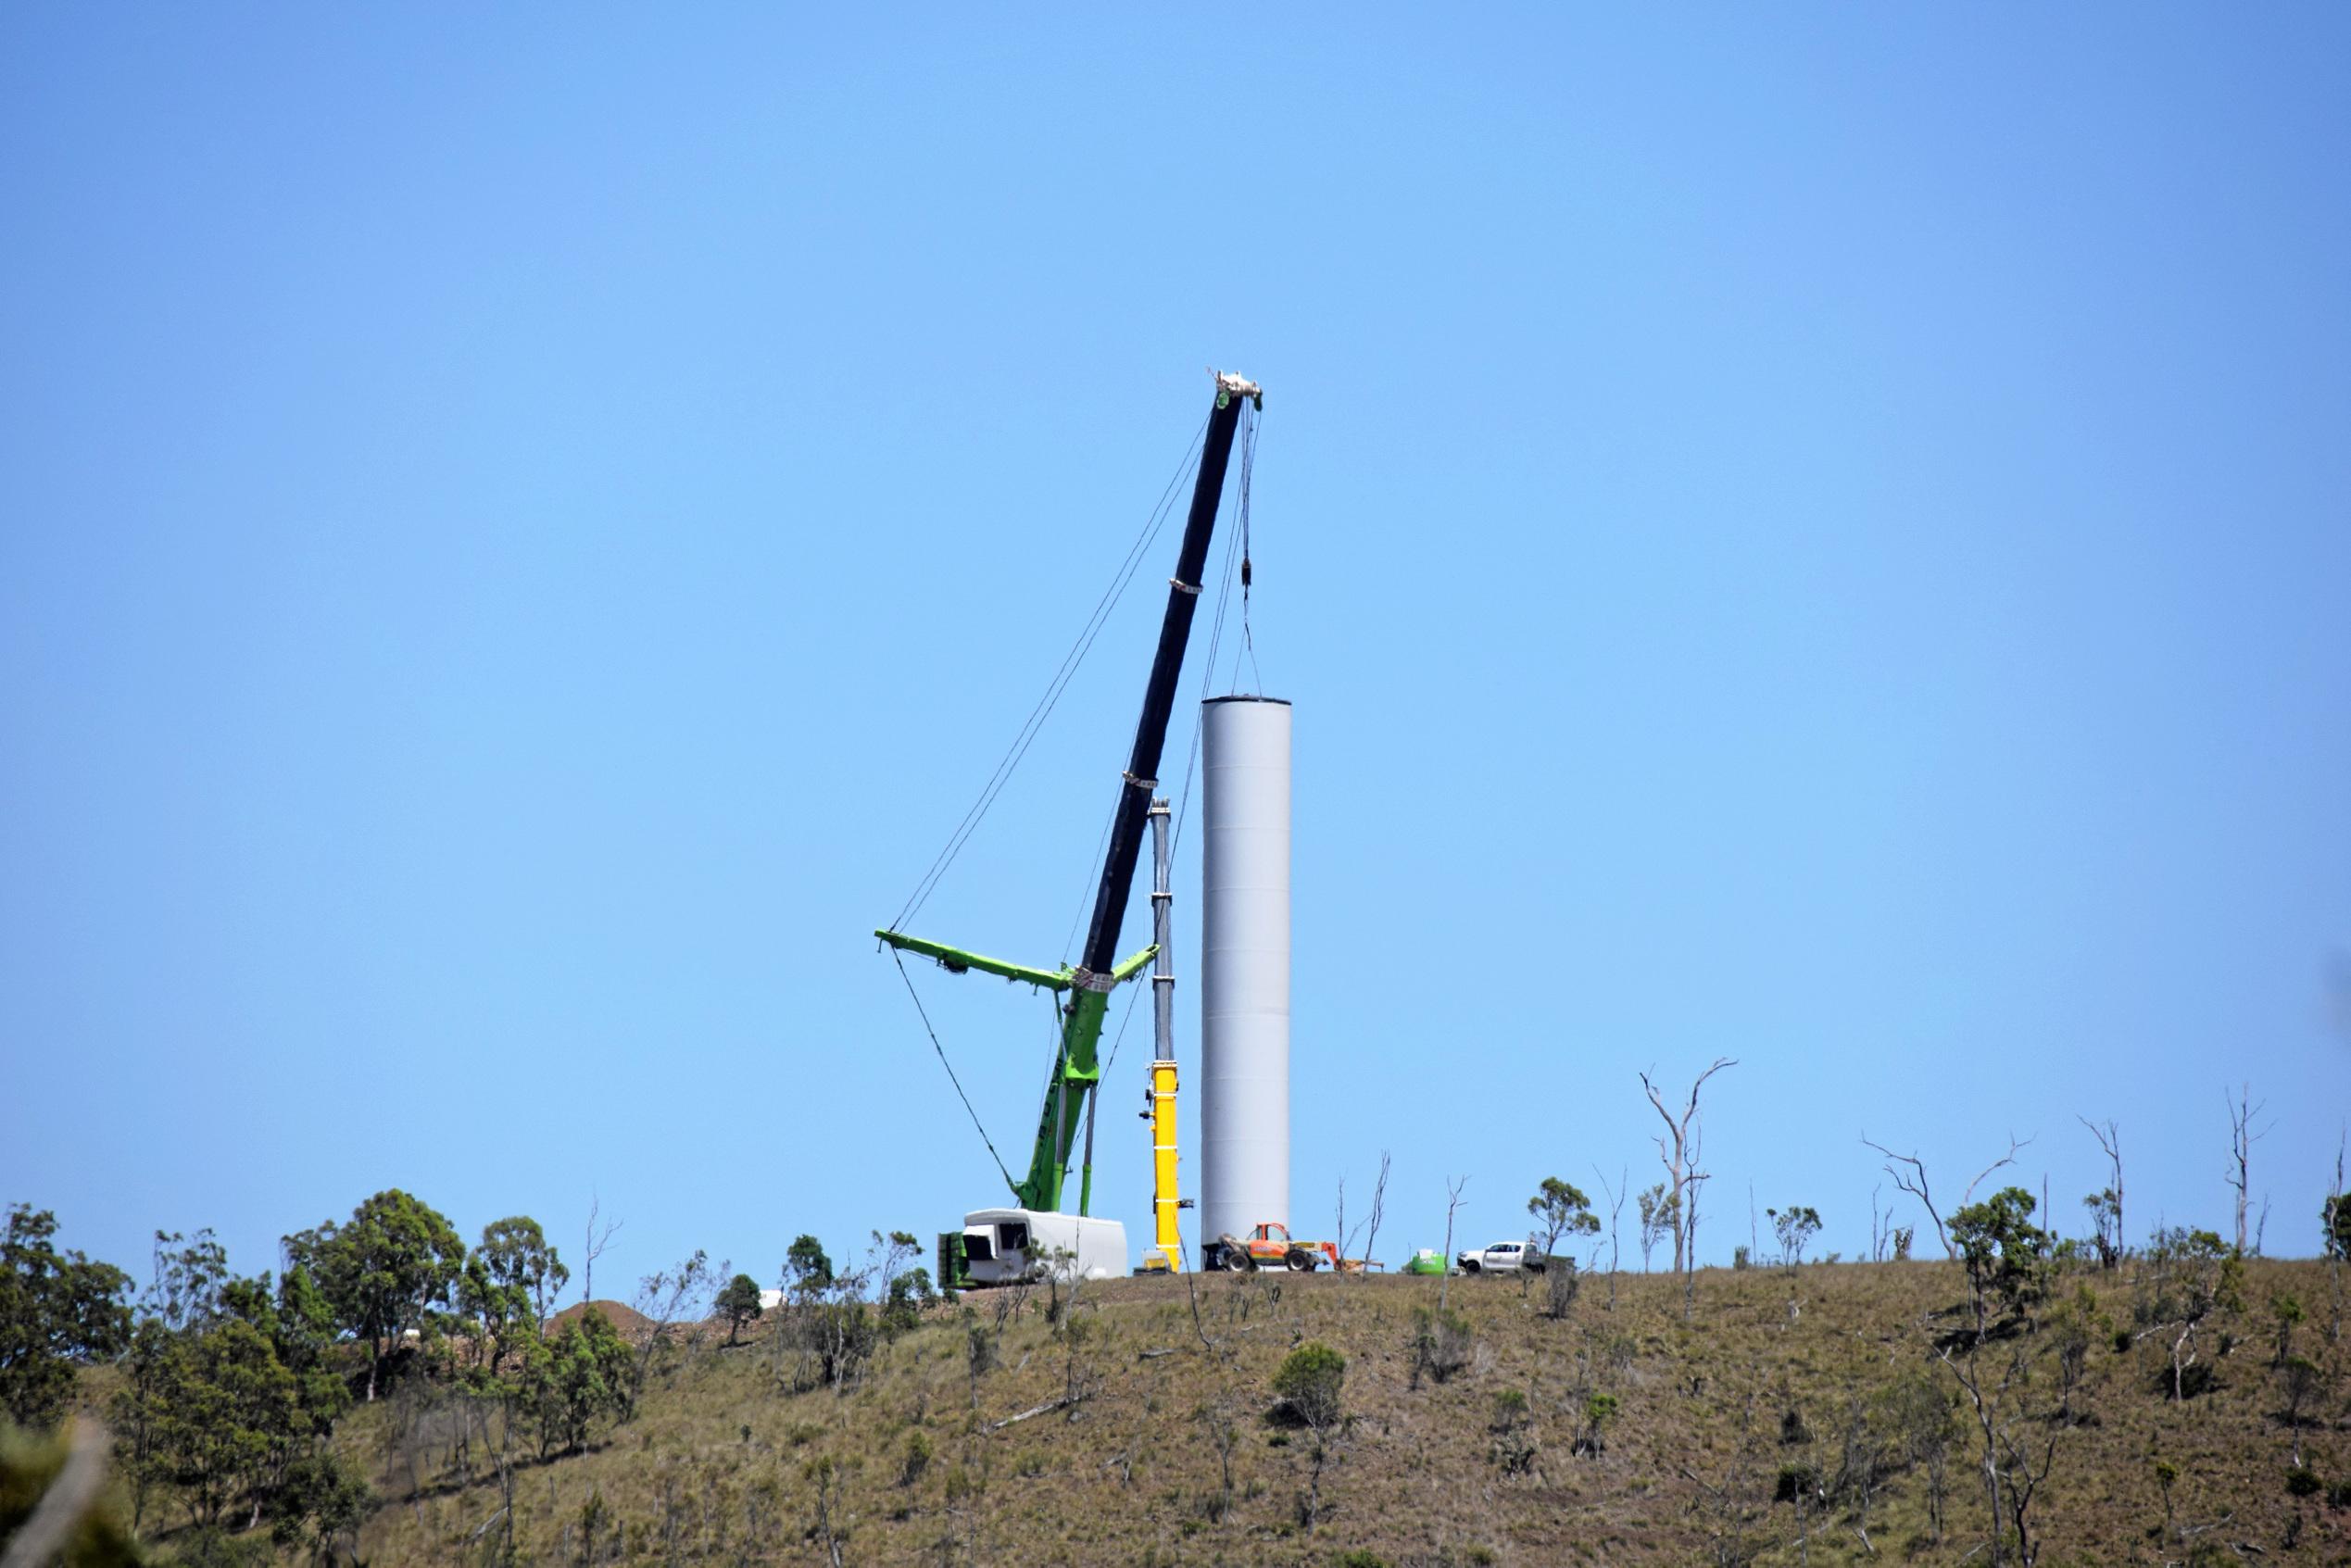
[{"x": 1810, "y": 537}]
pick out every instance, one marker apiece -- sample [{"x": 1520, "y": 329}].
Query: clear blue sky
[{"x": 1816, "y": 536}]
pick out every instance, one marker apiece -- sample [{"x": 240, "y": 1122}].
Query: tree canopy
[
  {"x": 1561, "y": 1208},
  {"x": 383, "y": 1270},
  {"x": 57, "y": 1308}
]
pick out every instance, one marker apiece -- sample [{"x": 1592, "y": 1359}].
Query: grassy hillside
[{"x": 1782, "y": 1384}]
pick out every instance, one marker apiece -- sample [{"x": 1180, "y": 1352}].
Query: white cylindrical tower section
[{"x": 1244, "y": 966}]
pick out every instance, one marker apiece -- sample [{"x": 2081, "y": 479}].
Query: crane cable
[
  {"x": 950, "y": 1067},
  {"x": 1248, "y": 640},
  {"x": 1035, "y": 723},
  {"x": 1022, "y": 741}
]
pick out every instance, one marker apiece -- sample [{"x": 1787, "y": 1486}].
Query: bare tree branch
[
  {"x": 2009, "y": 1159},
  {"x": 1915, "y": 1183}
]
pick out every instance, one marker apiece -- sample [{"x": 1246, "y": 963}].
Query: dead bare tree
[
  {"x": 1371, "y": 1221},
  {"x": 1680, "y": 1157},
  {"x": 2241, "y": 1138},
  {"x": 1915, "y": 1183},
  {"x": 1616, "y": 1196},
  {"x": 1338, "y": 1217},
  {"x": 1452, "y": 1205},
  {"x": 598, "y": 1239},
  {"x": 2108, "y": 1203},
  {"x": 1909, "y": 1174}
]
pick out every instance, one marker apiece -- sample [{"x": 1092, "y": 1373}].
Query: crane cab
[{"x": 1006, "y": 1246}]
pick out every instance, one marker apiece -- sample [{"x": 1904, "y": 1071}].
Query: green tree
[
  {"x": 2191, "y": 1275},
  {"x": 1660, "y": 1217},
  {"x": 384, "y": 1271},
  {"x": 1561, "y": 1208},
  {"x": 227, "y": 1415},
  {"x": 303, "y": 1330},
  {"x": 739, "y": 1304},
  {"x": 909, "y": 1294},
  {"x": 579, "y": 1377},
  {"x": 2006, "y": 1255},
  {"x": 2105, "y": 1220},
  {"x": 322, "y": 1502},
  {"x": 2334, "y": 1219},
  {"x": 55, "y": 1309},
  {"x": 190, "y": 1275},
  {"x": 1310, "y": 1383},
  {"x": 1795, "y": 1226},
  {"x": 509, "y": 1282},
  {"x": 805, "y": 1268}
]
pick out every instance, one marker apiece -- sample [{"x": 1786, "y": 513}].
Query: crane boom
[{"x": 1086, "y": 987}]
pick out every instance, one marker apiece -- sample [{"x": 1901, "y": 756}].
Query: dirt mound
[{"x": 628, "y": 1320}]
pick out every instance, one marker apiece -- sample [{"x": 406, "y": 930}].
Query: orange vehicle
[{"x": 1272, "y": 1244}]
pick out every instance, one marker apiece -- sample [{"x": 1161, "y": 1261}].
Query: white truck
[{"x": 1502, "y": 1258}]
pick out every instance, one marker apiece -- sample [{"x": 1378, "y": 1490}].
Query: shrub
[
  {"x": 2301, "y": 1484},
  {"x": 1442, "y": 1344},
  {"x": 1795, "y": 1483},
  {"x": 1561, "y": 1282},
  {"x": 917, "y": 1459},
  {"x": 1515, "y": 1446},
  {"x": 1360, "y": 1557},
  {"x": 1309, "y": 1382},
  {"x": 1598, "y": 1411}
]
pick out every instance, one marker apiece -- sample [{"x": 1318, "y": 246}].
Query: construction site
[{"x": 1239, "y": 753}]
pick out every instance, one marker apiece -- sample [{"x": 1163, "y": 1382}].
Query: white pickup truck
[{"x": 1501, "y": 1257}]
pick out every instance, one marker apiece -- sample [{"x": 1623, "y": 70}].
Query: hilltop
[{"x": 1788, "y": 1413}]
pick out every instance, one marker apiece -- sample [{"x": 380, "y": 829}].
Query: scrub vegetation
[{"x": 397, "y": 1396}]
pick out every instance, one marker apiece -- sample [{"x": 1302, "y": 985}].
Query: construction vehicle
[
  {"x": 979, "y": 1254},
  {"x": 1271, "y": 1245}
]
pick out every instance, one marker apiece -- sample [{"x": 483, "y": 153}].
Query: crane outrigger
[{"x": 998, "y": 1245}]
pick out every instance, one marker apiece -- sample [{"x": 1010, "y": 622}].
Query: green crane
[{"x": 1085, "y": 986}]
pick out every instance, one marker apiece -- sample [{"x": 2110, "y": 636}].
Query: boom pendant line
[{"x": 1084, "y": 988}]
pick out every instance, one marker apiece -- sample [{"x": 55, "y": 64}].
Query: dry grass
[{"x": 723, "y": 1464}]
